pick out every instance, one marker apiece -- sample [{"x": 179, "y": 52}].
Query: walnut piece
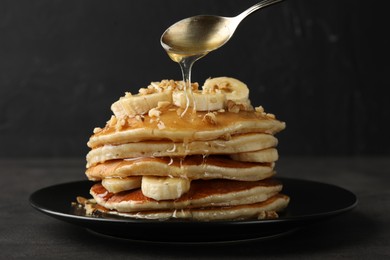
[
  {"x": 154, "y": 112},
  {"x": 160, "y": 125},
  {"x": 97, "y": 130},
  {"x": 210, "y": 118},
  {"x": 233, "y": 107},
  {"x": 269, "y": 115}
]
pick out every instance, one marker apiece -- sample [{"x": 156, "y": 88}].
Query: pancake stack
[{"x": 200, "y": 154}]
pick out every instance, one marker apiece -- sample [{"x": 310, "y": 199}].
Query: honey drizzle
[{"x": 186, "y": 62}]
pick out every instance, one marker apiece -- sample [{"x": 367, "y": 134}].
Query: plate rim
[{"x": 259, "y": 230}]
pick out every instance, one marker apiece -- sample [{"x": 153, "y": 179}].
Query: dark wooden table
[{"x": 363, "y": 233}]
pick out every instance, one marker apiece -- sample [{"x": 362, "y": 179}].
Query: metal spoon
[{"x": 204, "y": 33}]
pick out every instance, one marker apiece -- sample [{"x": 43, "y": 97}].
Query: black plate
[{"x": 310, "y": 202}]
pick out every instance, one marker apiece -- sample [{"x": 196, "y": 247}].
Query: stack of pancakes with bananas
[{"x": 159, "y": 157}]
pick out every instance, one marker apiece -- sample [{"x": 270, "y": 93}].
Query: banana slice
[
  {"x": 233, "y": 89},
  {"x": 164, "y": 188},
  {"x": 266, "y": 155},
  {"x": 116, "y": 185},
  {"x": 131, "y": 105},
  {"x": 203, "y": 102}
]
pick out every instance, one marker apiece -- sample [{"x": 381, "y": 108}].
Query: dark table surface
[{"x": 363, "y": 233}]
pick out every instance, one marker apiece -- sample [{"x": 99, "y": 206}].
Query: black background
[{"x": 320, "y": 66}]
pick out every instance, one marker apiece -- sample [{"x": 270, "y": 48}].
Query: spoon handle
[{"x": 256, "y": 7}]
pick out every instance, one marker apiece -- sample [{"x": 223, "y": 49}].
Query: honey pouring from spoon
[{"x": 192, "y": 38}]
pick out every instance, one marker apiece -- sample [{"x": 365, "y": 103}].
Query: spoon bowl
[
  {"x": 202, "y": 32},
  {"x": 198, "y": 35}
]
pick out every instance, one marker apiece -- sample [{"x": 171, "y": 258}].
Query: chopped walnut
[
  {"x": 170, "y": 85},
  {"x": 155, "y": 88},
  {"x": 233, "y": 107},
  {"x": 155, "y": 83},
  {"x": 128, "y": 94},
  {"x": 259, "y": 109},
  {"x": 89, "y": 209},
  {"x": 88, "y": 204},
  {"x": 97, "y": 130},
  {"x": 154, "y": 112},
  {"x": 210, "y": 118},
  {"x": 269, "y": 115},
  {"x": 81, "y": 200},
  {"x": 160, "y": 125},
  {"x": 145, "y": 91},
  {"x": 139, "y": 118},
  {"x": 195, "y": 85},
  {"x": 182, "y": 85},
  {"x": 164, "y": 83}
]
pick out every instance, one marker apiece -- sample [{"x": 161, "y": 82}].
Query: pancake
[
  {"x": 159, "y": 157},
  {"x": 192, "y": 167},
  {"x": 217, "y": 192},
  {"x": 169, "y": 126},
  {"x": 267, "y": 209},
  {"x": 237, "y": 144}
]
